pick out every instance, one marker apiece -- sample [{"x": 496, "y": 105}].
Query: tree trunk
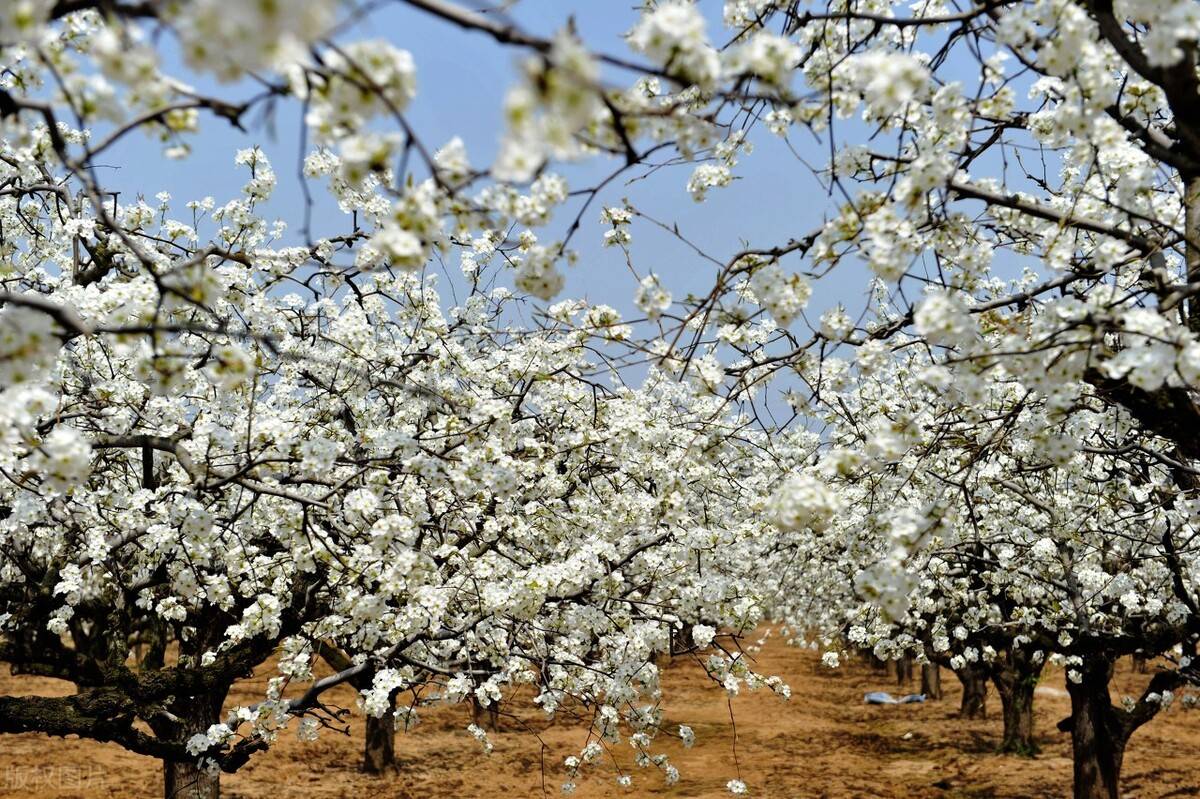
[
  {"x": 1018, "y": 720},
  {"x": 1016, "y": 697},
  {"x": 1098, "y": 736},
  {"x": 931, "y": 680},
  {"x": 877, "y": 663},
  {"x": 1191, "y": 205},
  {"x": 1015, "y": 676},
  {"x": 486, "y": 717},
  {"x": 187, "y": 779},
  {"x": 904, "y": 670},
  {"x": 379, "y": 747},
  {"x": 379, "y": 742},
  {"x": 679, "y": 641},
  {"x": 974, "y": 696}
]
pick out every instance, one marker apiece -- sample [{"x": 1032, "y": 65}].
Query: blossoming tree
[
  {"x": 456, "y": 502},
  {"x": 979, "y": 538},
  {"x": 220, "y": 448},
  {"x": 1020, "y": 180}
]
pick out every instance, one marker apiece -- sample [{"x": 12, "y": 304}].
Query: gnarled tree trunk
[
  {"x": 974, "y": 696},
  {"x": 1015, "y": 676}
]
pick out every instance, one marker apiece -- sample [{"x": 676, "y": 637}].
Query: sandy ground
[{"x": 822, "y": 743}]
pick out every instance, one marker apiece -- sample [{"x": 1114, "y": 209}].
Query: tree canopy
[{"x": 229, "y": 437}]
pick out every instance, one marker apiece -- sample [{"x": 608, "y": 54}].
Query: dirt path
[{"x": 822, "y": 743}]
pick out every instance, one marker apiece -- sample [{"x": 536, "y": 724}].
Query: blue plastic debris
[{"x": 884, "y": 698}]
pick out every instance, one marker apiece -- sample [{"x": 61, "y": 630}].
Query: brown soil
[{"x": 824, "y": 742}]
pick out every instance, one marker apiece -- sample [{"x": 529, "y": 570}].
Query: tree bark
[
  {"x": 931, "y": 680},
  {"x": 1191, "y": 205},
  {"x": 1098, "y": 735},
  {"x": 679, "y": 641},
  {"x": 904, "y": 670},
  {"x": 379, "y": 747},
  {"x": 1016, "y": 698},
  {"x": 486, "y": 717},
  {"x": 186, "y": 779},
  {"x": 379, "y": 742},
  {"x": 1018, "y": 720},
  {"x": 974, "y": 696},
  {"x": 877, "y": 663},
  {"x": 1015, "y": 676}
]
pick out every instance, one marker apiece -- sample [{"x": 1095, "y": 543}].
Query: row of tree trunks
[{"x": 1099, "y": 731}]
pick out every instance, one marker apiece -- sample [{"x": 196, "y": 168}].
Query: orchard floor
[{"x": 822, "y": 743}]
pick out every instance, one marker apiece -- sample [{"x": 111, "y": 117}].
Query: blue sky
[{"x": 462, "y": 78}]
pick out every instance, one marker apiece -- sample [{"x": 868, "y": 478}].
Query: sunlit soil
[{"x": 824, "y": 742}]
